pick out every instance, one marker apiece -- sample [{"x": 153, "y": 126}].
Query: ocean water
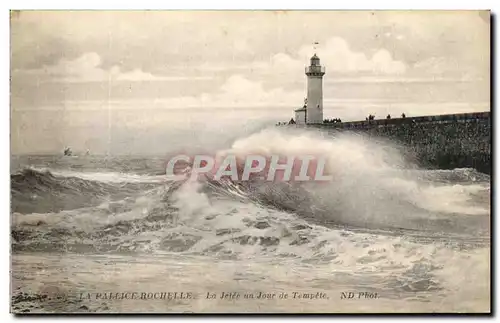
[{"x": 384, "y": 235}]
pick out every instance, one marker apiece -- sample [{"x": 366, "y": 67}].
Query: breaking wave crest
[
  {"x": 39, "y": 190},
  {"x": 376, "y": 199}
]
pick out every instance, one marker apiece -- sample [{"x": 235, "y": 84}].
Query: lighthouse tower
[{"x": 314, "y": 72}]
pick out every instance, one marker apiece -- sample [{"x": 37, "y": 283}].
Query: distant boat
[{"x": 68, "y": 152}]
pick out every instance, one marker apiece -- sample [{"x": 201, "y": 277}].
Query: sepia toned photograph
[{"x": 191, "y": 161}]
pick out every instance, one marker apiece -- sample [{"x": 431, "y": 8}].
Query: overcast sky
[{"x": 120, "y": 81}]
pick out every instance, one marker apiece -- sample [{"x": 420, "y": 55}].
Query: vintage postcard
[{"x": 250, "y": 162}]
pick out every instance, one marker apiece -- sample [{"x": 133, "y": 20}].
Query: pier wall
[{"x": 442, "y": 141}]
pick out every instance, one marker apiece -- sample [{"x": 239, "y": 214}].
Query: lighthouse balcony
[{"x": 315, "y": 70}]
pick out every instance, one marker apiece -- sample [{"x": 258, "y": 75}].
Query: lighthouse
[{"x": 314, "y": 72}]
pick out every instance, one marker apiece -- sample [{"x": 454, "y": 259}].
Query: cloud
[
  {"x": 87, "y": 68},
  {"x": 337, "y": 56},
  {"x": 239, "y": 92},
  {"x": 137, "y": 75},
  {"x": 84, "y": 69},
  {"x": 236, "y": 92},
  {"x": 287, "y": 69}
]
